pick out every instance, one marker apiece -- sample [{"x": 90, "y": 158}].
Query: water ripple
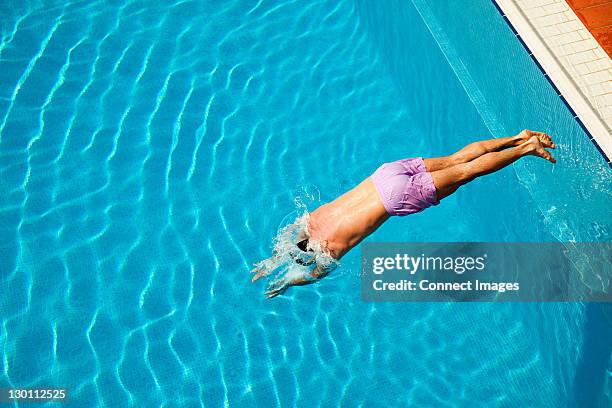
[{"x": 149, "y": 153}]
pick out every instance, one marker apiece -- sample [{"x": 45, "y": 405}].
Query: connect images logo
[{"x": 485, "y": 272}]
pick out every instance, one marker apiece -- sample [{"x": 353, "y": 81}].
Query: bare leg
[
  {"x": 448, "y": 180},
  {"x": 477, "y": 149}
]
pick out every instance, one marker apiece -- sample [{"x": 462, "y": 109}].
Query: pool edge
[{"x": 562, "y": 71}]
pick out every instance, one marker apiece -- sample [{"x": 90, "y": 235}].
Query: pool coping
[{"x": 576, "y": 66}]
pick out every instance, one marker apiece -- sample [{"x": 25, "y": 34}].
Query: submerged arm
[{"x": 280, "y": 287}]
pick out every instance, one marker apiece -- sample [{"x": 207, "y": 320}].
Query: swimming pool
[{"x": 149, "y": 152}]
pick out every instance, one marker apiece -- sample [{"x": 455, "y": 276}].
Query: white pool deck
[{"x": 571, "y": 57}]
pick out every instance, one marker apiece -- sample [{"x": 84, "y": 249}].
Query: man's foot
[
  {"x": 535, "y": 147},
  {"x": 526, "y": 134}
]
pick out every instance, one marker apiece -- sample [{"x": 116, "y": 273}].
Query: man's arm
[{"x": 280, "y": 287}]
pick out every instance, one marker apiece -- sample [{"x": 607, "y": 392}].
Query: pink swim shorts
[{"x": 405, "y": 186}]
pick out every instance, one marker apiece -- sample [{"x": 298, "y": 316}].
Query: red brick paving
[{"x": 597, "y": 17}]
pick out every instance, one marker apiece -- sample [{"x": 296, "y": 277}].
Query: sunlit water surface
[{"x": 150, "y": 151}]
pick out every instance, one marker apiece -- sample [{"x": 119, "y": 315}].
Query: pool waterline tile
[{"x": 565, "y": 52}]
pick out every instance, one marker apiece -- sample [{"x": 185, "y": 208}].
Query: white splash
[{"x": 288, "y": 262}]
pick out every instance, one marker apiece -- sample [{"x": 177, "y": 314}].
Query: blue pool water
[{"x": 149, "y": 151}]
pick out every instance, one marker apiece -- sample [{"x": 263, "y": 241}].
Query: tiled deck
[{"x": 571, "y": 57}]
